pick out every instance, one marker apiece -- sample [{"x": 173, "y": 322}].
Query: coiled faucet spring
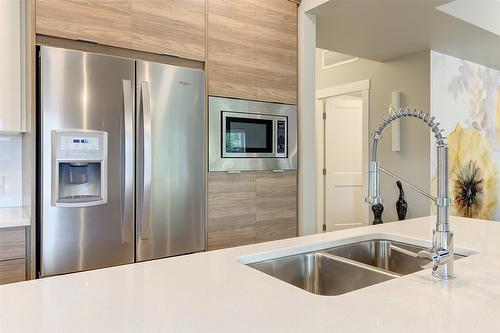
[{"x": 408, "y": 112}]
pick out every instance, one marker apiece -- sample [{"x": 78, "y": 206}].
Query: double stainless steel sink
[{"x": 342, "y": 269}]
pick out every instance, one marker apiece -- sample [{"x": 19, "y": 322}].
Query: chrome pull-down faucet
[{"x": 440, "y": 256}]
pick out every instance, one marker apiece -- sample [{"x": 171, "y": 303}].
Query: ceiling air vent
[{"x": 332, "y": 59}]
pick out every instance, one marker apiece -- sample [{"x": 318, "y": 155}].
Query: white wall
[
  {"x": 411, "y": 75},
  {"x": 307, "y": 194}
]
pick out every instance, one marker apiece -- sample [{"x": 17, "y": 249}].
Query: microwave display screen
[{"x": 248, "y": 135}]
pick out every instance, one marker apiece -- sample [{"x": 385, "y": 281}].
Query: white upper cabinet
[{"x": 11, "y": 65}]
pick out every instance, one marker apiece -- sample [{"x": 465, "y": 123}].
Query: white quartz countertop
[
  {"x": 13, "y": 217},
  {"x": 214, "y": 292}
]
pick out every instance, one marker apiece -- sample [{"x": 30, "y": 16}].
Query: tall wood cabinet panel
[
  {"x": 276, "y": 205},
  {"x": 251, "y": 207},
  {"x": 106, "y": 22},
  {"x": 252, "y": 49},
  {"x": 231, "y": 48},
  {"x": 276, "y": 51},
  {"x": 231, "y": 209},
  {"x": 174, "y": 27}
]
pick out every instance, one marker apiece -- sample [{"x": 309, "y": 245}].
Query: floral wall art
[{"x": 465, "y": 100}]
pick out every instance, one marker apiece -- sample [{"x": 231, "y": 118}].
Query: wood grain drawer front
[
  {"x": 231, "y": 48},
  {"x": 276, "y": 53},
  {"x": 12, "y": 243},
  {"x": 276, "y": 205},
  {"x": 174, "y": 27},
  {"x": 12, "y": 271},
  {"x": 231, "y": 209},
  {"x": 106, "y": 22}
]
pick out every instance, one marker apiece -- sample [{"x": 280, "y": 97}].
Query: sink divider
[{"x": 360, "y": 264}]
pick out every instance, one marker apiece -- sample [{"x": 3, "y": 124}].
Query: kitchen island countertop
[{"x": 215, "y": 292}]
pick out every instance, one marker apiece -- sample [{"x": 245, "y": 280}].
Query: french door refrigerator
[{"x": 121, "y": 174}]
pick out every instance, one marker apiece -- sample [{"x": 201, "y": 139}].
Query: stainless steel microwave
[{"x": 250, "y": 135}]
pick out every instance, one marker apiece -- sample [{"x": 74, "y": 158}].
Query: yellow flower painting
[
  {"x": 473, "y": 174},
  {"x": 465, "y": 99}
]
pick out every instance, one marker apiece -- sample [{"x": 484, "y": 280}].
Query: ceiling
[{"x": 385, "y": 29}]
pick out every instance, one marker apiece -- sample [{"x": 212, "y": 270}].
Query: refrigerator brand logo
[{"x": 184, "y": 83}]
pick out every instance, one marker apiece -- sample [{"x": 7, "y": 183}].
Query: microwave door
[{"x": 246, "y": 135}]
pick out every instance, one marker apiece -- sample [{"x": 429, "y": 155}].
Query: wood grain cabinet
[
  {"x": 276, "y": 51},
  {"x": 231, "y": 209},
  {"x": 231, "y": 48},
  {"x": 251, "y": 207},
  {"x": 12, "y": 255},
  {"x": 105, "y": 22},
  {"x": 276, "y": 205},
  {"x": 173, "y": 27},
  {"x": 252, "y": 50}
]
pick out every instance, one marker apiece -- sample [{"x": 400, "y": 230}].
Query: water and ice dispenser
[{"x": 79, "y": 168}]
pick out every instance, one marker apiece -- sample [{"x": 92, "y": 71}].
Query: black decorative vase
[
  {"x": 377, "y": 213},
  {"x": 401, "y": 204}
]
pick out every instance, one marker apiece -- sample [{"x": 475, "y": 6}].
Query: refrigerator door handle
[
  {"x": 128, "y": 173},
  {"x": 146, "y": 161}
]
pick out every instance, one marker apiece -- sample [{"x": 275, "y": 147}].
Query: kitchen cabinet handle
[
  {"x": 128, "y": 162},
  {"x": 146, "y": 161}
]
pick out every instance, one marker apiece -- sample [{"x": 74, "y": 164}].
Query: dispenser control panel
[
  {"x": 80, "y": 145},
  {"x": 79, "y": 168}
]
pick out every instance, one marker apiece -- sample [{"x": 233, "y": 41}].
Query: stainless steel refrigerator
[{"x": 121, "y": 174}]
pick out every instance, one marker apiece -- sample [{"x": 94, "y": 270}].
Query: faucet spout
[{"x": 442, "y": 240}]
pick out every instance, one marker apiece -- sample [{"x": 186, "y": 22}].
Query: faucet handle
[{"x": 433, "y": 258}]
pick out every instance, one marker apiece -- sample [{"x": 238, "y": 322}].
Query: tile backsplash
[{"x": 10, "y": 170}]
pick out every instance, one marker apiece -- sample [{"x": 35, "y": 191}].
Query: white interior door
[{"x": 344, "y": 193}]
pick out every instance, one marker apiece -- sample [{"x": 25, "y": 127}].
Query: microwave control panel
[{"x": 281, "y": 138}]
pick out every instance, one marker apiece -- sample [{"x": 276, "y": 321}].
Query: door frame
[{"x": 322, "y": 95}]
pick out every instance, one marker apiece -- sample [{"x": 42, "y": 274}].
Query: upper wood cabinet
[
  {"x": 173, "y": 27},
  {"x": 106, "y": 22},
  {"x": 276, "y": 51},
  {"x": 231, "y": 48},
  {"x": 252, "y": 49}
]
